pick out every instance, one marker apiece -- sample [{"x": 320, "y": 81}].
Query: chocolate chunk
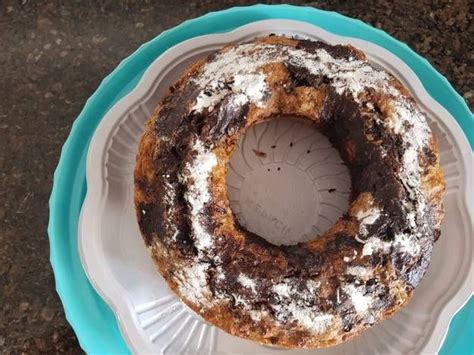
[
  {"x": 301, "y": 76},
  {"x": 337, "y": 51},
  {"x": 147, "y": 219}
]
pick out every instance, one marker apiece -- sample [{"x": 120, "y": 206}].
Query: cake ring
[{"x": 317, "y": 293}]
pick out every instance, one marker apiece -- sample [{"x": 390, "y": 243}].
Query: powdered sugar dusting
[
  {"x": 247, "y": 282},
  {"x": 293, "y": 305},
  {"x": 252, "y": 86},
  {"x": 194, "y": 284},
  {"x": 406, "y": 243},
  {"x": 170, "y": 193},
  {"x": 359, "y": 271},
  {"x": 198, "y": 195},
  {"x": 169, "y": 200},
  {"x": 353, "y": 76},
  {"x": 367, "y": 217},
  {"x": 198, "y": 173},
  {"x": 286, "y": 289},
  {"x": 375, "y": 244},
  {"x": 238, "y": 70},
  {"x": 256, "y": 315},
  {"x": 238, "y": 100},
  {"x": 359, "y": 299},
  {"x": 205, "y": 100},
  {"x": 282, "y": 290},
  {"x": 403, "y": 243},
  {"x": 307, "y": 317},
  {"x": 231, "y": 72},
  {"x": 407, "y": 121},
  {"x": 313, "y": 286}
]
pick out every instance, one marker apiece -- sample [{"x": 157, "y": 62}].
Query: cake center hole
[{"x": 286, "y": 182}]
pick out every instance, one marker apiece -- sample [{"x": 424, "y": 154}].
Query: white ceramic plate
[{"x": 150, "y": 317}]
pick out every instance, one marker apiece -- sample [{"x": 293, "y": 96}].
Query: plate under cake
[{"x": 150, "y": 317}]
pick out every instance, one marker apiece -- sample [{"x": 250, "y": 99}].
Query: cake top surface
[{"x": 341, "y": 279}]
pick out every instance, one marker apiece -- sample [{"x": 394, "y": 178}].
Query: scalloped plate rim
[{"x": 142, "y": 89}]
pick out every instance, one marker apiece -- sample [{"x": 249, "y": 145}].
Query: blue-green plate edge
[{"x": 92, "y": 320}]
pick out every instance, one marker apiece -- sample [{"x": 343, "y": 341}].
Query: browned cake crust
[{"x": 314, "y": 294}]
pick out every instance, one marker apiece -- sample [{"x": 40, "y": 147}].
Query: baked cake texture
[{"x": 317, "y": 293}]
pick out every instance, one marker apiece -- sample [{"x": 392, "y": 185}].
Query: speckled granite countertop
[{"x": 53, "y": 56}]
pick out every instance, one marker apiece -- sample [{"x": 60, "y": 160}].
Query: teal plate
[{"x": 92, "y": 320}]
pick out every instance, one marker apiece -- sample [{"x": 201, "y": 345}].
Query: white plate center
[{"x": 286, "y": 182}]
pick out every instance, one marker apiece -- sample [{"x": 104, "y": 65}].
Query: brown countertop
[{"x": 53, "y": 56}]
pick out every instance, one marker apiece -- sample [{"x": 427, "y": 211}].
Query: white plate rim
[{"x": 94, "y": 170}]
